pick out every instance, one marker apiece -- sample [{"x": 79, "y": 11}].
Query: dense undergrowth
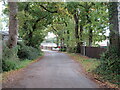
[
  {"x": 18, "y": 56},
  {"x": 109, "y": 69}
]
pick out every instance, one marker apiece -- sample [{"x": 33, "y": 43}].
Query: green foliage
[
  {"x": 111, "y": 60},
  {"x": 33, "y": 19},
  {"x": 71, "y": 49},
  {"x": 23, "y": 63},
  {"x": 63, "y": 49},
  {"x": 9, "y": 58},
  {"x": 110, "y": 65},
  {"x": 17, "y": 57},
  {"x": 28, "y": 52},
  {"x": 91, "y": 16}
]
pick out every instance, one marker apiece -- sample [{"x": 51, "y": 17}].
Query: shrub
[
  {"x": 110, "y": 65},
  {"x": 63, "y": 49},
  {"x": 9, "y": 58},
  {"x": 111, "y": 60},
  {"x": 27, "y": 52},
  {"x": 71, "y": 49}
]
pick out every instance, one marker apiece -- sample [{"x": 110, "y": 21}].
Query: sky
[
  {"x": 50, "y": 35},
  {"x": 0, "y": 8},
  {"x": 3, "y": 16}
]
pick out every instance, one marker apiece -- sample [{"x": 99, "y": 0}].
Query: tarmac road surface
[{"x": 54, "y": 70}]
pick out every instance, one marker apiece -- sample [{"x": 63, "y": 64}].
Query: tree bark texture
[
  {"x": 76, "y": 19},
  {"x": 13, "y": 24},
  {"x": 114, "y": 27}
]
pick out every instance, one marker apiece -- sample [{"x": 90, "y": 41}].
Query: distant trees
[
  {"x": 73, "y": 23},
  {"x": 90, "y": 22},
  {"x": 77, "y": 23}
]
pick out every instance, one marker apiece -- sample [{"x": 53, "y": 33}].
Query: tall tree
[
  {"x": 76, "y": 18},
  {"x": 73, "y": 9},
  {"x": 114, "y": 27},
  {"x": 33, "y": 19},
  {"x": 13, "y": 24}
]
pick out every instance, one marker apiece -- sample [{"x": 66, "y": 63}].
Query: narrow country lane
[{"x": 55, "y": 70}]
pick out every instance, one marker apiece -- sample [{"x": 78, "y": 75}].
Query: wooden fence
[{"x": 93, "y": 52}]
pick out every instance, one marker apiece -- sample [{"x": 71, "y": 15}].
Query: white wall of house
[{"x": 103, "y": 43}]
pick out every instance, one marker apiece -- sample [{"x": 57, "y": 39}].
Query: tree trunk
[
  {"x": 57, "y": 41},
  {"x": 90, "y": 29},
  {"x": 90, "y": 32},
  {"x": 30, "y": 35},
  {"x": 13, "y": 24},
  {"x": 76, "y": 33},
  {"x": 68, "y": 38},
  {"x": 81, "y": 31},
  {"x": 81, "y": 43},
  {"x": 60, "y": 44},
  {"x": 114, "y": 27},
  {"x": 90, "y": 36}
]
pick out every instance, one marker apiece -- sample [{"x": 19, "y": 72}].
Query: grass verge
[
  {"x": 9, "y": 75},
  {"x": 24, "y": 63},
  {"x": 89, "y": 65}
]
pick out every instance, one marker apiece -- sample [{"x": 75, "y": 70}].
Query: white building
[{"x": 50, "y": 46}]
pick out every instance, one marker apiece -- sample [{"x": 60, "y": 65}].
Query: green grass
[
  {"x": 90, "y": 65},
  {"x": 24, "y": 63},
  {"x": 20, "y": 64}
]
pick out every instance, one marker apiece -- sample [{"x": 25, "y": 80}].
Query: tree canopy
[{"x": 74, "y": 23}]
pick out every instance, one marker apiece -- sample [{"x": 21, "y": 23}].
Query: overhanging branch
[
  {"x": 48, "y": 10},
  {"x": 34, "y": 26}
]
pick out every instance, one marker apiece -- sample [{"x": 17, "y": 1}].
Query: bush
[
  {"x": 110, "y": 65},
  {"x": 9, "y": 58},
  {"x": 63, "y": 49},
  {"x": 27, "y": 52},
  {"x": 111, "y": 60},
  {"x": 71, "y": 49}
]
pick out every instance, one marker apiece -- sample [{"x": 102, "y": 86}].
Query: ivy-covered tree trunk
[
  {"x": 77, "y": 32},
  {"x": 114, "y": 27},
  {"x": 90, "y": 36},
  {"x": 81, "y": 32},
  {"x": 30, "y": 35},
  {"x": 90, "y": 29},
  {"x": 81, "y": 38},
  {"x": 13, "y": 24},
  {"x": 68, "y": 38}
]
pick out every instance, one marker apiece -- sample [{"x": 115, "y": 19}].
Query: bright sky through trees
[
  {"x": 50, "y": 35},
  {"x": 3, "y": 16}
]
